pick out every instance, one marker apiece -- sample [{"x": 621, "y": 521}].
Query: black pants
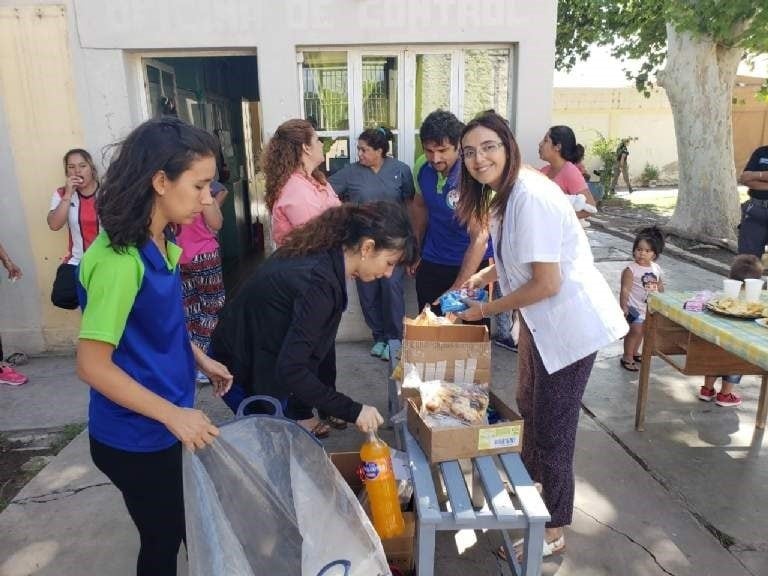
[
  {"x": 434, "y": 280},
  {"x": 153, "y": 490},
  {"x": 753, "y": 229}
]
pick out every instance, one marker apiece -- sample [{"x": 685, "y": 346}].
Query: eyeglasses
[{"x": 486, "y": 149}]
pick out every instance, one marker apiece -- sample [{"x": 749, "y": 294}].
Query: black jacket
[{"x": 275, "y": 333}]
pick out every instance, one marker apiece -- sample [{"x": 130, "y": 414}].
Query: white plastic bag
[{"x": 265, "y": 498}]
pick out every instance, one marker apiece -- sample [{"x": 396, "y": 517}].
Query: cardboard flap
[
  {"x": 448, "y": 333},
  {"x": 452, "y": 361}
]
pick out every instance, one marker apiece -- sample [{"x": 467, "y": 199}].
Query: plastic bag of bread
[
  {"x": 468, "y": 403},
  {"x": 428, "y": 318}
]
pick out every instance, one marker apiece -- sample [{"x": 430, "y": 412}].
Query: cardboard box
[
  {"x": 399, "y": 550},
  {"x": 456, "y": 353},
  {"x": 441, "y": 444}
]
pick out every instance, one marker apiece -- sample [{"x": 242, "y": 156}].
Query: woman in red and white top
[
  {"x": 559, "y": 149},
  {"x": 74, "y": 204},
  {"x": 297, "y": 189}
]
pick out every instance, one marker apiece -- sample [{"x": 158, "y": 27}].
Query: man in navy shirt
[
  {"x": 753, "y": 230},
  {"x": 450, "y": 253}
]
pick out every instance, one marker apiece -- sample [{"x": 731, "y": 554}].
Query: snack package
[
  {"x": 467, "y": 403},
  {"x": 453, "y": 300},
  {"x": 698, "y": 302}
]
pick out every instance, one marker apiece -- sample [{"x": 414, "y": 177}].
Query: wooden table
[{"x": 701, "y": 344}]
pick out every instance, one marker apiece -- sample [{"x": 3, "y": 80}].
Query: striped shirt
[{"x": 82, "y": 222}]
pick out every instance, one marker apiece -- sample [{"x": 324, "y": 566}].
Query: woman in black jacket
[{"x": 277, "y": 335}]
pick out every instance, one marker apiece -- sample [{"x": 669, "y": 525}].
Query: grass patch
[
  {"x": 18, "y": 465},
  {"x": 66, "y": 436},
  {"x": 662, "y": 201}
]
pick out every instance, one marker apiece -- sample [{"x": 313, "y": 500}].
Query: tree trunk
[{"x": 699, "y": 78}]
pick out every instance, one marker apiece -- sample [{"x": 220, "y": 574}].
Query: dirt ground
[
  {"x": 620, "y": 215},
  {"x": 24, "y": 454}
]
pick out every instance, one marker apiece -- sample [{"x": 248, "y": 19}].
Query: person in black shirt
[
  {"x": 277, "y": 335},
  {"x": 753, "y": 230}
]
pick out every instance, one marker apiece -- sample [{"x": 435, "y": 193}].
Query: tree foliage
[{"x": 636, "y": 29}]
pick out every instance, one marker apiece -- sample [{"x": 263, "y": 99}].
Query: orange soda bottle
[{"x": 380, "y": 484}]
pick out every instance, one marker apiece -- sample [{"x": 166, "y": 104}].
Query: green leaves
[{"x": 637, "y": 29}]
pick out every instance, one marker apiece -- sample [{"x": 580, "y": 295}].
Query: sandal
[
  {"x": 17, "y": 359},
  {"x": 637, "y": 358},
  {"x": 337, "y": 423},
  {"x": 548, "y": 549},
  {"x": 320, "y": 430},
  {"x": 629, "y": 365}
]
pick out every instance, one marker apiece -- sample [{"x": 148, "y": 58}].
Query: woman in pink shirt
[
  {"x": 559, "y": 149},
  {"x": 297, "y": 190}
]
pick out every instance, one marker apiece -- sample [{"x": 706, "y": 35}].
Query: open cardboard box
[
  {"x": 399, "y": 550},
  {"x": 441, "y": 444},
  {"x": 455, "y": 353}
]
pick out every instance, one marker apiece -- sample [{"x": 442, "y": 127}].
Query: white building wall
[
  {"x": 107, "y": 40},
  {"x": 622, "y": 113},
  {"x": 276, "y": 29}
]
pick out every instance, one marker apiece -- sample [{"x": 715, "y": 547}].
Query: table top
[{"x": 744, "y": 338}]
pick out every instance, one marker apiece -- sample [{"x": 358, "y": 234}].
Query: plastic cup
[
  {"x": 752, "y": 289},
  {"x": 731, "y": 288}
]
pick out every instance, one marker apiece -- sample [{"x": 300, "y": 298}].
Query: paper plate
[{"x": 722, "y": 306}]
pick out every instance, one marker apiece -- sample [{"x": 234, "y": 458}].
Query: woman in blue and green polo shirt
[{"x": 134, "y": 349}]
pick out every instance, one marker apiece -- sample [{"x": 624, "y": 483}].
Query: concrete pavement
[{"x": 684, "y": 497}]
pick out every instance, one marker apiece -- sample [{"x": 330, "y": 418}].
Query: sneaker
[
  {"x": 706, "y": 394},
  {"x": 385, "y": 353},
  {"x": 378, "y": 348},
  {"x": 506, "y": 343},
  {"x": 9, "y": 376},
  {"x": 727, "y": 399}
]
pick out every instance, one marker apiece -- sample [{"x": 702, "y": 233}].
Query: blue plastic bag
[{"x": 453, "y": 300}]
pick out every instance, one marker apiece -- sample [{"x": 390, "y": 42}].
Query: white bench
[
  {"x": 464, "y": 507},
  {"x": 458, "y": 512}
]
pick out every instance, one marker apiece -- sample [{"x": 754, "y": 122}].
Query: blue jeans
[{"x": 383, "y": 305}]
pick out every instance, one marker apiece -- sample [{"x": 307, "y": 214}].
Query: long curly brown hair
[
  {"x": 283, "y": 157},
  {"x": 386, "y": 223}
]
